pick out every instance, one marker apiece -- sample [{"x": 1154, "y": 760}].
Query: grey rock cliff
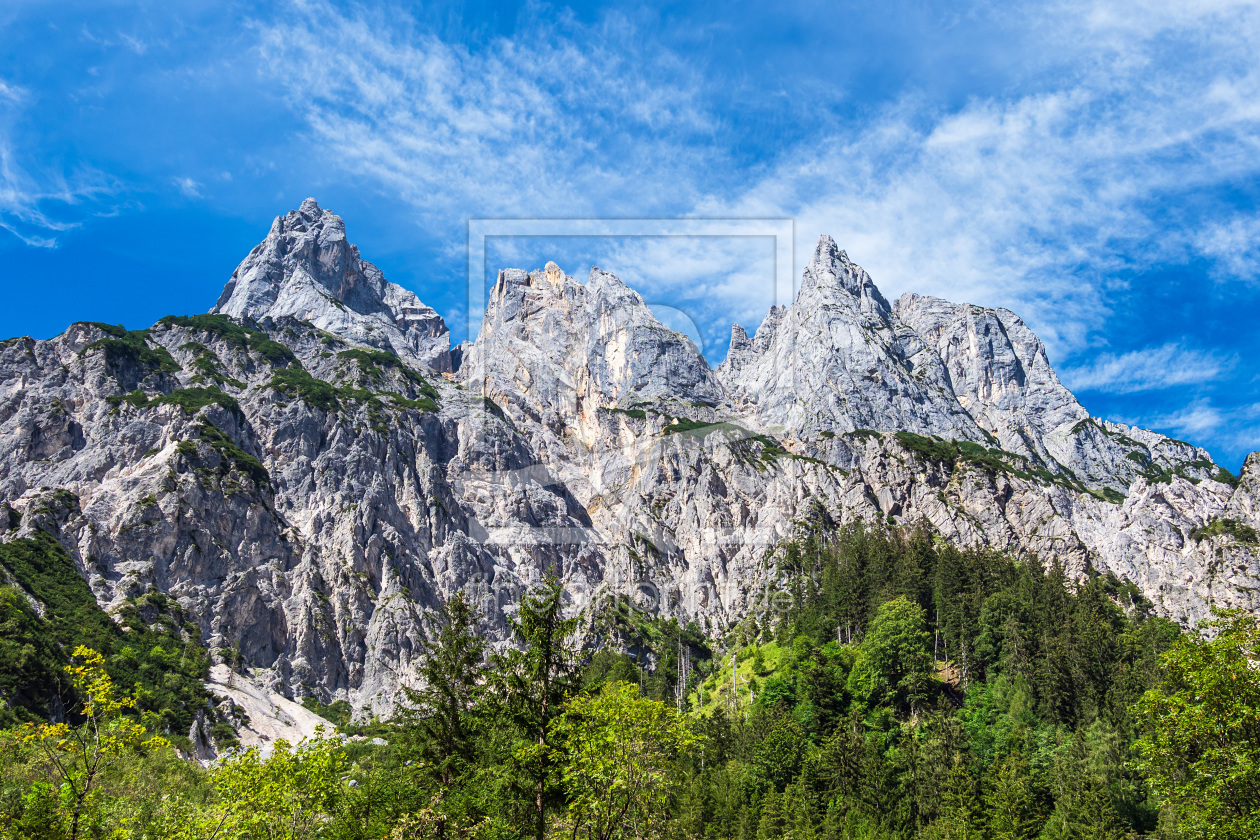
[
  {"x": 306, "y": 269},
  {"x": 838, "y": 360},
  {"x": 311, "y": 513}
]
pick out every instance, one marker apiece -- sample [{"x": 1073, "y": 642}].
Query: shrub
[
  {"x": 133, "y": 348},
  {"x": 296, "y": 382},
  {"x": 191, "y": 400},
  {"x": 238, "y": 335}
]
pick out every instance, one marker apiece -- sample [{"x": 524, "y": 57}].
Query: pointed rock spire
[
  {"x": 306, "y": 269},
  {"x": 830, "y": 272}
]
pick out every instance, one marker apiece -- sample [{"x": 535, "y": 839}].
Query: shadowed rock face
[{"x": 312, "y": 508}]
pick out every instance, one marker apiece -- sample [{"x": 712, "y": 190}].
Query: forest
[{"x": 897, "y": 687}]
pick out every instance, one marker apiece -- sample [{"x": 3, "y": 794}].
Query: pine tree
[
  {"x": 443, "y": 713},
  {"x": 1083, "y": 806},
  {"x": 536, "y": 681},
  {"x": 1009, "y": 800},
  {"x": 772, "y": 824}
]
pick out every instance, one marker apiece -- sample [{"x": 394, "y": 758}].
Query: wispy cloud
[
  {"x": 1236, "y": 429},
  {"x": 1235, "y": 245},
  {"x": 1150, "y": 369},
  {"x": 188, "y": 187},
  {"x": 37, "y": 204},
  {"x": 540, "y": 124},
  {"x": 1034, "y": 199}
]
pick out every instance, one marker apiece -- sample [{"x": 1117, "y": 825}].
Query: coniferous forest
[{"x": 894, "y": 687}]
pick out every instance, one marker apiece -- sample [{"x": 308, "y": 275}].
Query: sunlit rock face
[
  {"x": 309, "y": 478},
  {"x": 306, "y": 269}
]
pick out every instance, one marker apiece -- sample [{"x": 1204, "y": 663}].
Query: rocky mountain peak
[
  {"x": 307, "y": 269},
  {"x": 560, "y": 347},
  {"x": 830, "y": 274},
  {"x": 311, "y": 528}
]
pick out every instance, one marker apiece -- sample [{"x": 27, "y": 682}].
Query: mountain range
[{"x": 311, "y": 468}]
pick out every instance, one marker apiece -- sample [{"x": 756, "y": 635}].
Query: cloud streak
[
  {"x": 36, "y": 205},
  {"x": 537, "y": 125},
  {"x": 1034, "y": 201},
  {"x": 1151, "y": 369}
]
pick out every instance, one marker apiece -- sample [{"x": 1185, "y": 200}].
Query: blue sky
[{"x": 1093, "y": 166}]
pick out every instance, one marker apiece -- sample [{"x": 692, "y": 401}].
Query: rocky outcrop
[
  {"x": 838, "y": 360},
  {"x": 998, "y": 370},
  {"x": 306, "y": 269},
  {"x": 295, "y": 473}
]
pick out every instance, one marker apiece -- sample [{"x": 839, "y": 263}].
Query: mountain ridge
[{"x": 309, "y": 480}]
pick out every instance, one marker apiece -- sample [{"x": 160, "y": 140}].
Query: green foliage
[
  {"x": 423, "y": 404},
  {"x": 191, "y": 400},
  {"x": 111, "y": 330},
  {"x": 374, "y": 362},
  {"x": 617, "y": 752},
  {"x": 951, "y": 454},
  {"x": 1224, "y": 476},
  {"x": 443, "y": 714},
  {"x": 683, "y": 425},
  {"x": 241, "y": 336},
  {"x": 930, "y": 449},
  {"x": 337, "y": 712},
  {"x": 894, "y": 665},
  {"x": 41, "y": 567},
  {"x": 231, "y": 456},
  {"x": 29, "y": 676},
  {"x": 493, "y": 408},
  {"x": 1201, "y": 747},
  {"x": 146, "y": 648},
  {"x": 207, "y": 366},
  {"x": 1238, "y": 531},
  {"x": 535, "y": 681},
  {"x": 124, "y": 348},
  {"x": 81, "y": 754},
  {"x": 1112, "y": 496},
  {"x": 903, "y": 689},
  {"x": 297, "y": 382}
]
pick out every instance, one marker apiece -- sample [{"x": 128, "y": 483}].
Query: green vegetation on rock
[
  {"x": 123, "y": 347},
  {"x": 297, "y": 382},
  {"x": 231, "y": 456},
  {"x": 240, "y": 336},
  {"x": 147, "y": 644},
  {"x": 1238, "y": 531},
  {"x": 191, "y": 400}
]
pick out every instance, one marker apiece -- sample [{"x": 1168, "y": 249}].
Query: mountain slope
[{"x": 297, "y": 476}]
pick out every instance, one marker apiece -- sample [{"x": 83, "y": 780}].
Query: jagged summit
[
  {"x": 308, "y": 504},
  {"x": 831, "y": 278},
  {"x": 307, "y": 269},
  {"x": 836, "y": 361},
  {"x": 564, "y": 346},
  {"x": 840, "y": 358}
]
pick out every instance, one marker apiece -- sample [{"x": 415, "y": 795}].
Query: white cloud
[
  {"x": 1034, "y": 200},
  {"x": 538, "y": 125},
  {"x": 36, "y": 205},
  {"x": 188, "y": 187},
  {"x": 1235, "y": 245},
  {"x": 1236, "y": 429},
  {"x": 1150, "y": 369}
]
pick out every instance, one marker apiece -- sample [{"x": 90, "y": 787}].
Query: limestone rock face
[
  {"x": 312, "y": 509},
  {"x": 998, "y": 370},
  {"x": 838, "y": 360},
  {"x": 308, "y": 270}
]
